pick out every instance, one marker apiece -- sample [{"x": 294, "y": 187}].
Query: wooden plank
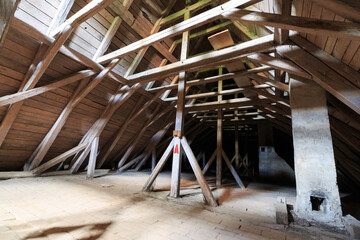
[
  {"x": 40, "y": 169},
  {"x": 138, "y": 137},
  {"x": 341, "y": 68},
  {"x": 122, "y": 95},
  {"x": 334, "y": 83},
  {"x": 214, "y": 78},
  {"x": 20, "y": 96},
  {"x": 240, "y": 50},
  {"x": 346, "y": 9},
  {"x": 343, "y": 30},
  {"x": 61, "y": 14},
  {"x": 184, "y": 26},
  {"x": 105, "y": 43},
  {"x": 110, "y": 145},
  {"x": 224, "y": 92},
  {"x": 233, "y": 171},
  {"x": 86, "y": 12},
  {"x": 180, "y": 116},
  {"x": 211, "y": 160},
  {"x": 6, "y": 15},
  {"x": 221, "y": 40},
  {"x": 198, "y": 174},
  {"x": 225, "y": 104},
  {"x": 278, "y": 63},
  {"x": 92, "y": 158},
  {"x": 159, "y": 167},
  {"x": 81, "y": 92}
]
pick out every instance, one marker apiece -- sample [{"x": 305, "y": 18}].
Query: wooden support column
[
  {"x": 92, "y": 158},
  {"x": 219, "y": 137},
  {"x": 237, "y": 153},
  {"x": 7, "y": 10},
  {"x": 179, "y": 120}
]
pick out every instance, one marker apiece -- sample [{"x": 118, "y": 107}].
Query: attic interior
[{"x": 179, "y": 119}]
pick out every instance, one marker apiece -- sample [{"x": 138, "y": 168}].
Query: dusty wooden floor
[{"x": 112, "y": 207}]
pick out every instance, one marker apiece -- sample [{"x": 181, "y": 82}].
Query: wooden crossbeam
[
  {"x": 344, "y": 30},
  {"x": 239, "y": 51},
  {"x": 78, "y": 95},
  {"x": 214, "y": 78},
  {"x": 7, "y": 10},
  {"x": 332, "y": 82},
  {"x": 58, "y": 159},
  {"x": 223, "y": 104},
  {"x": 184, "y": 26},
  {"x": 137, "y": 138},
  {"x": 192, "y": 8},
  {"x": 224, "y": 92},
  {"x": 110, "y": 145},
  {"x": 20, "y": 96},
  {"x": 123, "y": 94}
]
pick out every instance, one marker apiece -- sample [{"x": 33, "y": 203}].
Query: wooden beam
[
  {"x": 334, "y": 63},
  {"x": 279, "y": 85},
  {"x": 223, "y": 104},
  {"x": 105, "y": 43},
  {"x": 198, "y": 174},
  {"x": 214, "y": 78},
  {"x": 232, "y": 169},
  {"x": 184, "y": 26},
  {"x": 278, "y": 63},
  {"x": 82, "y": 15},
  {"x": 194, "y": 63},
  {"x": 224, "y": 92},
  {"x": 110, "y": 145},
  {"x": 78, "y": 95},
  {"x": 39, "y": 170},
  {"x": 92, "y": 158},
  {"x": 344, "y": 30},
  {"x": 67, "y": 51},
  {"x": 61, "y": 15},
  {"x": 122, "y": 95},
  {"x": 192, "y": 8},
  {"x": 159, "y": 167},
  {"x": 330, "y": 80},
  {"x": 7, "y": 10},
  {"x": 137, "y": 138},
  {"x": 20, "y": 96},
  {"x": 180, "y": 116}
]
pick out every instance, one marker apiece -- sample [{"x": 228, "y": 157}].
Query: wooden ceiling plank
[
  {"x": 7, "y": 14},
  {"x": 342, "y": 8}
]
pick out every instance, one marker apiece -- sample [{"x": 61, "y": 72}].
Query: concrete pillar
[{"x": 317, "y": 193}]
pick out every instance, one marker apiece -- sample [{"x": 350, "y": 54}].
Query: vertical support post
[
  {"x": 219, "y": 137},
  {"x": 237, "y": 154},
  {"x": 317, "y": 193},
  {"x": 179, "y": 121},
  {"x": 92, "y": 158}
]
